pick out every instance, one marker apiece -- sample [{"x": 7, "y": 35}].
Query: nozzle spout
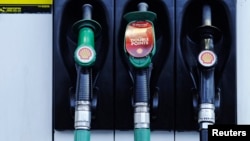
[
  {"x": 206, "y": 18},
  {"x": 143, "y": 6},
  {"x": 87, "y": 11}
]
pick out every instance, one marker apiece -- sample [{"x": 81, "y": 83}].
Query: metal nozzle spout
[
  {"x": 142, "y": 6},
  {"x": 206, "y": 18},
  {"x": 87, "y": 11}
]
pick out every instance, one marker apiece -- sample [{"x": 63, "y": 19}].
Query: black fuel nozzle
[{"x": 206, "y": 36}]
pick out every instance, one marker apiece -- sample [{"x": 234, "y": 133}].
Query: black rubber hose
[
  {"x": 83, "y": 89},
  {"x": 204, "y": 135},
  {"x": 141, "y": 86}
]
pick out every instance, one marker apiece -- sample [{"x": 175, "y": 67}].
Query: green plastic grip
[
  {"x": 86, "y": 37},
  {"x": 142, "y": 134},
  {"x": 85, "y": 40},
  {"x": 82, "y": 135}
]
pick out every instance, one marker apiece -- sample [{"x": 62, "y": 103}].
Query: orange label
[
  {"x": 207, "y": 58},
  {"x": 85, "y": 53},
  {"x": 139, "y": 38}
]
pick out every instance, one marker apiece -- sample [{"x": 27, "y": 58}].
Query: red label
[{"x": 139, "y": 38}]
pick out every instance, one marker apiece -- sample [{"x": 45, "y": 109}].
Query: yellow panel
[{"x": 26, "y": 2}]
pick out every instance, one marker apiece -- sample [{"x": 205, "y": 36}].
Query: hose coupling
[
  {"x": 141, "y": 115},
  {"x": 82, "y": 115},
  {"x": 206, "y": 115}
]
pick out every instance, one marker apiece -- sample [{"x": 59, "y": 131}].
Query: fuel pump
[
  {"x": 84, "y": 57},
  {"x": 207, "y": 98},
  {"x": 139, "y": 46}
]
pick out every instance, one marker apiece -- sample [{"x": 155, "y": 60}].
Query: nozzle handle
[
  {"x": 83, "y": 88},
  {"x": 141, "y": 87},
  {"x": 87, "y": 11}
]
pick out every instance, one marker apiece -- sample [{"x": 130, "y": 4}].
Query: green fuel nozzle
[
  {"x": 85, "y": 57},
  {"x": 87, "y": 29},
  {"x": 139, "y": 46},
  {"x": 140, "y": 36}
]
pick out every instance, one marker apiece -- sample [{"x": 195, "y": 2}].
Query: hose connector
[
  {"x": 82, "y": 115},
  {"x": 206, "y": 115},
  {"x": 141, "y": 115}
]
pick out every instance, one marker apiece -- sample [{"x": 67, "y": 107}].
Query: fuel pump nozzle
[
  {"x": 206, "y": 35},
  {"x": 84, "y": 57},
  {"x": 139, "y": 46}
]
